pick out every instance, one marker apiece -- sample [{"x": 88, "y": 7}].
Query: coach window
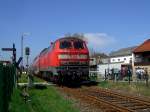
[
  {"x": 78, "y": 45},
  {"x": 65, "y": 44}
]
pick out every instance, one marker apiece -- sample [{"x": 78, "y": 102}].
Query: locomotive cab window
[
  {"x": 65, "y": 44},
  {"x": 78, "y": 44}
]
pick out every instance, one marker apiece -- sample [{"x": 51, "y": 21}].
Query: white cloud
[{"x": 99, "y": 41}]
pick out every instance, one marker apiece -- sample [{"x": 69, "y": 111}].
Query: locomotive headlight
[
  {"x": 63, "y": 56},
  {"x": 66, "y": 56},
  {"x": 82, "y": 56}
]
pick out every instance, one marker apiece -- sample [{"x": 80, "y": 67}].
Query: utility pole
[
  {"x": 16, "y": 64},
  {"x": 14, "y": 52},
  {"x": 22, "y": 53},
  {"x": 22, "y": 37},
  {"x": 30, "y": 77}
]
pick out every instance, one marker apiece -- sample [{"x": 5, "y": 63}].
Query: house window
[{"x": 113, "y": 59}]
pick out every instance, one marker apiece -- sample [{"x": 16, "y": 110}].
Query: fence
[{"x": 7, "y": 79}]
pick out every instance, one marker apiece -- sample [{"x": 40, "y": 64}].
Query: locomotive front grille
[
  {"x": 73, "y": 63},
  {"x": 73, "y": 68},
  {"x": 76, "y": 68}
]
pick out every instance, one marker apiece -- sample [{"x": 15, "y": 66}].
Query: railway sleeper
[
  {"x": 126, "y": 103},
  {"x": 112, "y": 105},
  {"x": 116, "y": 94},
  {"x": 124, "y": 97},
  {"x": 101, "y": 105},
  {"x": 129, "y": 98},
  {"x": 110, "y": 110},
  {"x": 139, "y": 107},
  {"x": 115, "y": 101},
  {"x": 143, "y": 110}
]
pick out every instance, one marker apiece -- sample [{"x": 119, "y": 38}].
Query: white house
[
  {"x": 116, "y": 60},
  {"x": 123, "y": 59},
  {"x": 122, "y": 55}
]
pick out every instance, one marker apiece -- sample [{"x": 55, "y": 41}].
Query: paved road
[{"x": 38, "y": 83}]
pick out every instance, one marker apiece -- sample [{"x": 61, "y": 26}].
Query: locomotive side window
[
  {"x": 78, "y": 44},
  {"x": 65, "y": 44}
]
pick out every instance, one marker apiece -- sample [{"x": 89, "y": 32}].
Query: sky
[{"x": 108, "y": 25}]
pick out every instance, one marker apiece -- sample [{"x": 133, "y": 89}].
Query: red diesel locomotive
[{"x": 66, "y": 60}]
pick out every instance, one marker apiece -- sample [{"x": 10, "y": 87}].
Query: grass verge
[
  {"x": 45, "y": 100},
  {"x": 24, "y": 79},
  {"x": 135, "y": 87}
]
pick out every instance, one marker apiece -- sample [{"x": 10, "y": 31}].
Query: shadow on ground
[{"x": 78, "y": 85}]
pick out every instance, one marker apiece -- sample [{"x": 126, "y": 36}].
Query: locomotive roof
[
  {"x": 63, "y": 38},
  {"x": 43, "y": 51},
  {"x": 69, "y": 38}
]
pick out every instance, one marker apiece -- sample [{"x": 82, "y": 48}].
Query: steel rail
[
  {"x": 109, "y": 100},
  {"x": 131, "y": 103},
  {"x": 114, "y": 106},
  {"x": 133, "y": 98}
]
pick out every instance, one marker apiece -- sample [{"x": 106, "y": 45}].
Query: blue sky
[{"x": 108, "y": 24}]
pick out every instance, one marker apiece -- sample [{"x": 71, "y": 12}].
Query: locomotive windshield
[
  {"x": 78, "y": 45},
  {"x": 65, "y": 44}
]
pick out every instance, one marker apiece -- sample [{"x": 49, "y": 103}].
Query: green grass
[
  {"x": 24, "y": 79},
  {"x": 139, "y": 88},
  {"x": 46, "y": 100},
  {"x": 17, "y": 104}
]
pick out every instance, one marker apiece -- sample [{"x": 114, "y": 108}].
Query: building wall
[
  {"x": 104, "y": 60},
  {"x": 93, "y": 61},
  {"x": 124, "y": 59},
  {"x": 101, "y": 67},
  {"x": 141, "y": 60}
]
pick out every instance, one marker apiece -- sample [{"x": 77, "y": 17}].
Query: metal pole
[
  {"x": 14, "y": 54},
  {"x": 27, "y": 65},
  {"x": 14, "y": 62},
  {"x": 27, "y": 61},
  {"x": 29, "y": 83},
  {"x": 22, "y": 53}
]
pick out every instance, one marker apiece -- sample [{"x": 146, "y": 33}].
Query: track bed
[{"x": 106, "y": 100}]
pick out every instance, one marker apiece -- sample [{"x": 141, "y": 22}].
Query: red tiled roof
[{"x": 143, "y": 47}]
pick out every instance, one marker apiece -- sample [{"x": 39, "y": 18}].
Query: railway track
[{"x": 110, "y": 101}]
